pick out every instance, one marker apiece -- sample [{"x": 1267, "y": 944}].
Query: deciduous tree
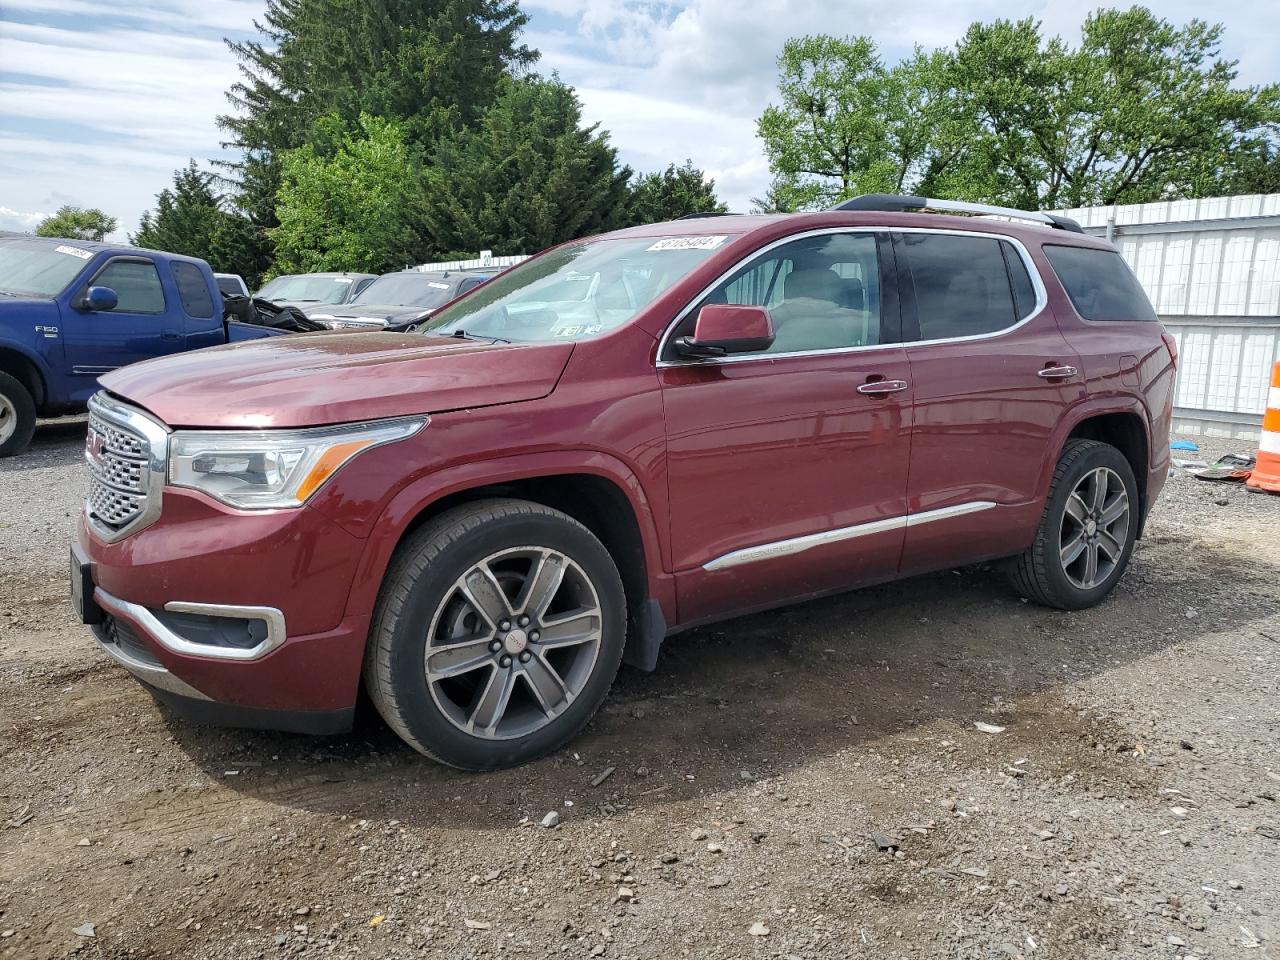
[
  {"x": 359, "y": 208},
  {"x": 77, "y": 223}
]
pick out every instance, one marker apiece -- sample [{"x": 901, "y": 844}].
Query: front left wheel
[
  {"x": 17, "y": 416},
  {"x": 498, "y": 632}
]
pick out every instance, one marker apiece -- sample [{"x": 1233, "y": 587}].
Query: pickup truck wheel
[
  {"x": 1086, "y": 535},
  {"x": 17, "y": 416},
  {"x": 498, "y": 632}
]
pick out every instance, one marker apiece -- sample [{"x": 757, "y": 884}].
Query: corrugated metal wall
[{"x": 1212, "y": 269}]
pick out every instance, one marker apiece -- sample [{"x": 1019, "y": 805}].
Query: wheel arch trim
[{"x": 398, "y": 516}]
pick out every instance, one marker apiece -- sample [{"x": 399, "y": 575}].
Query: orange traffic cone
[{"x": 1266, "y": 474}]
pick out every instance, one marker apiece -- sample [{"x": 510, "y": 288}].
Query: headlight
[{"x": 265, "y": 469}]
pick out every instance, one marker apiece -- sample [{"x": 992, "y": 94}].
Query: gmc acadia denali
[{"x": 623, "y": 437}]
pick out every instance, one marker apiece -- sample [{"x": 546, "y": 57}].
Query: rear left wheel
[
  {"x": 1087, "y": 532},
  {"x": 498, "y": 632}
]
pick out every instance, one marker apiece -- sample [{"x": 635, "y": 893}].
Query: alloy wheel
[
  {"x": 1095, "y": 528},
  {"x": 513, "y": 642}
]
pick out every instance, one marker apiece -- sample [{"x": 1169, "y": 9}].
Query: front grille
[
  {"x": 120, "y": 447},
  {"x": 110, "y": 506}
]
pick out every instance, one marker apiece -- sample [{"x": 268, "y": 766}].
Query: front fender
[
  {"x": 409, "y": 503},
  {"x": 50, "y": 384}
]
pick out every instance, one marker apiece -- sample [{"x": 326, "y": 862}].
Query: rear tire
[
  {"x": 17, "y": 416},
  {"x": 498, "y": 631},
  {"x": 1086, "y": 535}
]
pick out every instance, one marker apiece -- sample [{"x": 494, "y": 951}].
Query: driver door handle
[{"x": 877, "y": 387}]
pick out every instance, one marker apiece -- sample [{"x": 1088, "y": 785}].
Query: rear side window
[
  {"x": 1024, "y": 294},
  {"x": 193, "y": 290},
  {"x": 1100, "y": 284},
  {"x": 136, "y": 284},
  {"x": 962, "y": 285}
]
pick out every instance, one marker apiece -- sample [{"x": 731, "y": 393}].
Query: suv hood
[{"x": 312, "y": 379}]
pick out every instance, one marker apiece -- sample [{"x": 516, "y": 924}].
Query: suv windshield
[
  {"x": 303, "y": 287},
  {"x": 576, "y": 291},
  {"x": 405, "y": 290},
  {"x": 35, "y": 269}
]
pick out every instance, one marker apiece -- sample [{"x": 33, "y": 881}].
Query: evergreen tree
[
  {"x": 528, "y": 176},
  {"x": 673, "y": 193},
  {"x": 432, "y": 66}
]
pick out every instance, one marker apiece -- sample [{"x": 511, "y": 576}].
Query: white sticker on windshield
[
  {"x": 342, "y": 280},
  {"x": 688, "y": 243},
  {"x": 438, "y": 286},
  {"x": 75, "y": 251}
]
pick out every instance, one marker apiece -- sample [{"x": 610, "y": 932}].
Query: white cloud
[{"x": 18, "y": 220}]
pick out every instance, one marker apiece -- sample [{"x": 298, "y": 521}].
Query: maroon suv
[{"x": 621, "y": 438}]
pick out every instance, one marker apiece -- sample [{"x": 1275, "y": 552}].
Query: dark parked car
[
  {"x": 398, "y": 299},
  {"x": 318, "y": 291},
  {"x": 623, "y": 437}
]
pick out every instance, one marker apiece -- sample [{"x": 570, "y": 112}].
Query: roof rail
[{"x": 903, "y": 202}]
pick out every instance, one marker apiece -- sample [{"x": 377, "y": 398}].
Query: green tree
[
  {"x": 186, "y": 218},
  {"x": 358, "y": 209},
  {"x": 528, "y": 176},
  {"x": 1142, "y": 109},
  {"x": 429, "y": 65},
  {"x": 675, "y": 192},
  {"x": 194, "y": 220},
  {"x": 77, "y": 223}
]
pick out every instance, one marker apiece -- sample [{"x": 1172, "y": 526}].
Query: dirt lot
[{"x": 1129, "y": 809}]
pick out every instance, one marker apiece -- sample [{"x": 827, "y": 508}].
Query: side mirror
[
  {"x": 99, "y": 298},
  {"x": 722, "y": 329}
]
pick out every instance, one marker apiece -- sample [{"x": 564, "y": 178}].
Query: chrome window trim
[
  {"x": 156, "y": 436},
  {"x": 793, "y": 545},
  {"x": 175, "y": 643},
  {"x": 1037, "y": 284}
]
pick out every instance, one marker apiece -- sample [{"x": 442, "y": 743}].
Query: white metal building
[{"x": 1212, "y": 269}]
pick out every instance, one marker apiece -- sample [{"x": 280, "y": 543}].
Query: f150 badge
[{"x": 50, "y": 333}]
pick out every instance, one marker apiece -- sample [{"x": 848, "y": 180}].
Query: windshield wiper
[{"x": 461, "y": 334}]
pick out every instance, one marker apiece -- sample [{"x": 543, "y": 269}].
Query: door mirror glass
[
  {"x": 722, "y": 329},
  {"x": 100, "y": 298}
]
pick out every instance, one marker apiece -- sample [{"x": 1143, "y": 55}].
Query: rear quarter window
[
  {"x": 1100, "y": 284},
  {"x": 193, "y": 290}
]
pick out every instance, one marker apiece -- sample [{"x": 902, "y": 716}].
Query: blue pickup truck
[{"x": 71, "y": 310}]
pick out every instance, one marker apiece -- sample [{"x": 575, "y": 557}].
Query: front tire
[
  {"x": 17, "y": 416},
  {"x": 498, "y": 632},
  {"x": 1086, "y": 535}
]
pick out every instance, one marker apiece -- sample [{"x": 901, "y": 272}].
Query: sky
[{"x": 101, "y": 101}]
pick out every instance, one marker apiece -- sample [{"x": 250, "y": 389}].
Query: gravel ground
[{"x": 804, "y": 783}]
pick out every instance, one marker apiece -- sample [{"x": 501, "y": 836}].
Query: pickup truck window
[
  {"x": 193, "y": 290},
  {"x": 38, "y": 269},
  {"x": 575, "y": 291},
  {"x": 136, "y": 283}
]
